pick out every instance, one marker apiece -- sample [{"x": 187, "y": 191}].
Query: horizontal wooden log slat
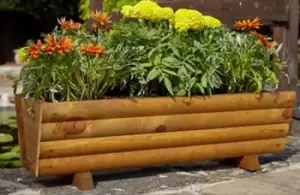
[
  {"x": 88, "y": 146},
  {"x": 138, "y": 107},
  {"x": 267, "y": 10},
  {"x": 166, "y": 123},
  {"x": 69, "y": 165}
]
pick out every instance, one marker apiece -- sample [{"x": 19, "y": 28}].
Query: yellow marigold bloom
[
  {"x": 188, "y": 19},
  {"x": 212, "y": 22},
  {"x": 128, "y": 11},
  {"x": 166, "y": 13},
  {"x": 146, "y": 4},
  {"x": 147, "y": 10},
  {"x": 22, "y": 55}
]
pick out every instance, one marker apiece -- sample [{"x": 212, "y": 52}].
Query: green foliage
[
  {"x": 9, "y": 4},
  {"x": 163, "y": 62},
  {"x": 84, "y": 9},
  {"x": 67, "y": 76},
  {"x": 116, "y": 5},
  {"x": 9, "y": 149},
  {"x": 145, "y": 58}
]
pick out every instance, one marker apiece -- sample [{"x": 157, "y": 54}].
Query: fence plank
[{"x": 267, "y": 10}]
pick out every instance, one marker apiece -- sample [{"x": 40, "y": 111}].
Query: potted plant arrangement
[{"x": 158, "y": 86}]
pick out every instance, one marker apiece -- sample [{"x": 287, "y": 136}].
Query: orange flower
[
  {"x": 102, "y": 18},
  {"x": 69, "y": 25},
  {"x": 35, "y": 49},
  {"x": 49, "y": 39},
  {"x": 248, "y": 24},
  {"x": 263, "y": 39},
  {"x": 94, "y": 27},
  {"x": 92, "y": 49},
  {"x": 50, "y": 47},
  {"x": 63, "y": 45}
]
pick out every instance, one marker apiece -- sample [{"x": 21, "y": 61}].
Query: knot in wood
[
  {"x": 73, "y": 127},
  {"x": 161, "y": 128},
  {"x": 287, "y": 113}
]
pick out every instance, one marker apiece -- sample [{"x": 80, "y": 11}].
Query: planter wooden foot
[
  {"x": 83, "y": 181},
  {"x": 249, "y": 163}
]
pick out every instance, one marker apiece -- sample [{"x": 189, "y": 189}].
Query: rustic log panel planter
[{"x": 80, "y": 137}]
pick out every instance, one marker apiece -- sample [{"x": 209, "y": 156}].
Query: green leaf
[
  {"x": 16, "y": 163},
  {"x": 181, "y": 92},
  {"x": 154, "y": 73},
  {"x": 197, "y": 44},
  {"x": 146, "y": 65},
  {"x": 200, "y": 88},
  {"x": 182, "y": 72},
  {"x": 160, "y": 79},
  {"x": 171, "y": 60},
  {"x": 5, "y": 138},
  {"x": 175, "y": 51},
  {"x": 170, "y": 72},
  {"x": 6, "y": 148},
  {"x": 168, "y": 85},
  {"x": 204, "y": 81},
  {"x": 9, "y": 155},
  {"x": 192, "y": 82},
  {"x": 157, "y": 59},
  {"x": 189, "y": 67},
  {"x": 15, "y": 149},
  {"x": 10, "y": 163}
]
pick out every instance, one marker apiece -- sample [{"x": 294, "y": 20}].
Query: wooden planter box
[{"x": 80, "y": 137}]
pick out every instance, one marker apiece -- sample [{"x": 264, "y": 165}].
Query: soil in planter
[{"x": 9, "y": 148}]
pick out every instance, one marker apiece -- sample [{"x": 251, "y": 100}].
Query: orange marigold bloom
[
  {"x": 248, "y": 24},
  {"x": 92, "y": 49},
  {"x": 63, "y": 45},
  {"x": 94, "y": 27},
  {"x": 263, "y": 39},
  {"x": 35, "y": 49},
  {"x": 69, "y": 25},
  {"x": 102, "y": 18},
  {"x": 51, "y": 44}
]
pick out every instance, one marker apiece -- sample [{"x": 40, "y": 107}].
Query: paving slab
[{"x": 284, "y": 182}]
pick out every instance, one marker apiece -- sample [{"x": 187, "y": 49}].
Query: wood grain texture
[
  {"x": 88, "y": 146},
  {"x": 83, "y": 181},
  {"x": 291, "y": 42},
  {"x": 230, "y": 10},
  {"x": 29, "y": 131},
  {"x": 274, "y": 10},
  {"x": 250, "y": 163},
  {"x": 20, "y": 125},
  {"x": 166, "y": 123},
  {"x": 139, "y": 107},
  {"x": 142, "y": 158}
]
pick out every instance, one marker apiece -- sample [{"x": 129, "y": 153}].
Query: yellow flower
[
  {"x": 212, "y": 22},
  {"x": 22, "y": 55},
  {"x": 166, "y": 13},
  {"x": 188, "y": 19},
  {"x": 147, "y": 10},
  {"x": 128, "y": 11}
]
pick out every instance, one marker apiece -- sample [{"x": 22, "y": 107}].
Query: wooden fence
[{"x": 281, "y": 14}]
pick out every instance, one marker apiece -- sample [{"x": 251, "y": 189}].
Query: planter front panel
[
  {"x": 141, "y": 158},
  {"x": 74, "y": 137}
]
